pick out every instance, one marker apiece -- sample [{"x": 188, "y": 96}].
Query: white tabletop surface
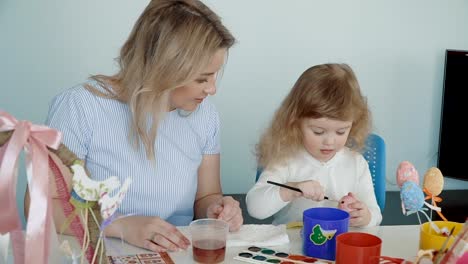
[{"x": 397, "y": 241}]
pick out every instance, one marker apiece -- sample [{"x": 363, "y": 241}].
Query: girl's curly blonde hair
[{"x": 327, "y": 90}]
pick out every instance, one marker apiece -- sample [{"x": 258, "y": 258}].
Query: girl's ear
[{"x": 293, "y": 120}]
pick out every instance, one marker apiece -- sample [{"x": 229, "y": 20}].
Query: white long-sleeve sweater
[{"x": 347, "y": 171}]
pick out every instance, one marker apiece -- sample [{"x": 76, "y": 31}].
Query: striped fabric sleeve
[
  {"x": 212, "y": 144},
  {"x": 67, "y": 114}
]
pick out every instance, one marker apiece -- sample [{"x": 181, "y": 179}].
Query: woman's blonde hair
[
  {"x": 170, "y": 44},
  {"x": 327, "y": 90}
]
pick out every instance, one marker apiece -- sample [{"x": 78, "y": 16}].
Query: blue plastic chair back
[
  {"x": 259, "y": 171},
  {"x": 374, "y": 153},
  {"x": 375, "y": 156}
]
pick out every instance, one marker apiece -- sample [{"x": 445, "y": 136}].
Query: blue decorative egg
[{"x": 412, "y": 196}]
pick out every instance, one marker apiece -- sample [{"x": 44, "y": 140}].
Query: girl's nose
[{"x": 330, "y": 140}]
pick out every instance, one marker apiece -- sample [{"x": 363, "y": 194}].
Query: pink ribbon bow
[{"x": 34, "y": 139}]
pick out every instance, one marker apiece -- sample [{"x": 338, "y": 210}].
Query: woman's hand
[
  {"x": 359, "y": 213},
  {"x": 148, "y": 232},
  {"x": 227, "y": 209}
]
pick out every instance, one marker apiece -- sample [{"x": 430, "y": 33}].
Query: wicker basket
[{"x": 68, "y": 158}]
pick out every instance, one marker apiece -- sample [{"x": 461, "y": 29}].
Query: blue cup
[{"x": 321, "y": 226}]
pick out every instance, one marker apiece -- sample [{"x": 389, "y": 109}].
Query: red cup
[{"x": 357, "y": 248}]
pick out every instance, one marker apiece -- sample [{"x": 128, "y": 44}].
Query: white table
[{"x": 397, "y": 241}]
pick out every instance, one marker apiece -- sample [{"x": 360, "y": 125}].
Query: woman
[{"x": 151, "y": 122}]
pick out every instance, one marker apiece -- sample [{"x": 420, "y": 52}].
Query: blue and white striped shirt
[{"x": 96, "y": 129}]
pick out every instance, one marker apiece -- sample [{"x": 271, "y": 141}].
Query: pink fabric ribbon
[{"x": 34, "y": 139}]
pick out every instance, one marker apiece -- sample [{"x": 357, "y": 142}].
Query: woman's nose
[{"x": 210, "y": 88}]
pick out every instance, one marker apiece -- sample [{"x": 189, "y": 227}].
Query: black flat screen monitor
[{"x": 453, "y": 138}]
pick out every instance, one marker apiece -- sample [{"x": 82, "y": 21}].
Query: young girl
[{"x": 312, "y": 145}]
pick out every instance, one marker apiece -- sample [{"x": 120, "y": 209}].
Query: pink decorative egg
[
  {"x": 406, "y": 172},
  {"x": 345, "y": 201}
]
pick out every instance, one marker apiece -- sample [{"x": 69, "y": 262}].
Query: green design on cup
[{"x": 319, "y": 236}]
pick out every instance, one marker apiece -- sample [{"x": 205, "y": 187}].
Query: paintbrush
[{"x": 295, "y": 189}]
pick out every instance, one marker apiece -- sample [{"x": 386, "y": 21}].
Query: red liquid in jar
[{"x": 209, "y": 251}]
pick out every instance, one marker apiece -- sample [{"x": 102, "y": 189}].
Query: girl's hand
[
  {"x": 311, "y": 190},
  {"x": 148, "y": 232},
  {"x": 227, "y": 209},
  {"x": 359, "y": 214}
]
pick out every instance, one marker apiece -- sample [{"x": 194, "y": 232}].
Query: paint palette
[
  {"x": 266, "y": 255},
  {"x": 153, "y": 258}
]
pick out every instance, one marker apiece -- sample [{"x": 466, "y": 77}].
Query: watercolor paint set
[{"x": 265, "y": 255}]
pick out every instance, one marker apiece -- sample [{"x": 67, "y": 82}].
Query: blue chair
[
  {"x": 259, "y": 171},
  {"x": 375, "y": 155}
]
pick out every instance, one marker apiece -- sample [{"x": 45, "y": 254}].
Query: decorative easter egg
[
  {"x": 412, "y": 196},
  {"x": 434, "y": 181},
  {"x": 406, "y": 172},
  {"x": 345, "y": 201}
]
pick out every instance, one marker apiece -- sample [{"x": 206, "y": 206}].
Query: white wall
[{"x": 395, "y": 47}]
